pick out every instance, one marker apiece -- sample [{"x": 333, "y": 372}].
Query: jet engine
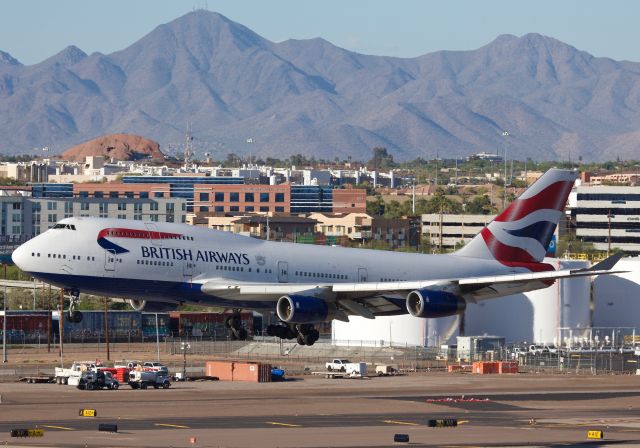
[
  {"x": 152, "y": 307},
  {"x": 302, "y": 309},
  {"x": 430, "y": 303}
]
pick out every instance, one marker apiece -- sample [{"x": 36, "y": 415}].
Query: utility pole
[
  {"x": 61, "y": 323},
  {"x": 505, "y": 134},
  {"x": 106, "y": 327}
]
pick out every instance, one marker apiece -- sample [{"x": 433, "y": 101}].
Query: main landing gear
[
  {"x": 234, "y": 323},
  {"x": 74, "y": 315},
  {"x": 305, "y": 334}
]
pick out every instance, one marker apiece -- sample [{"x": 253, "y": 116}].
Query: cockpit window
[{"x": 64, "y": 226}]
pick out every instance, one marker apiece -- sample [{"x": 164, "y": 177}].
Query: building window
[
  {"x": 128, "y": 194},
  {"x": 104, "y": 209},
  {"x": 234, "y": 197},
  {"x": 264, "y": 209},
  {"x": 83, "y": 194},
  {"x": 219, "y": 208},
  {"x": 204, "y": 197},
  {"x": 122, "y": 216},
  {"x": 113, "y": 194},
  {"x": 249, "y": 208},
  {"x": 84, "y": 206},
  {"x": 169, "y": 207},
  {"x": 248, "y": 197},
  {"x": 279, "y": 197},
  {"x": 279, "y": 209},
  {"x": 219, "y": 196},
  {"x": 17, "y": 230},
  {"x": 153, "y": 206},
  {"x": 264, "y": 197},
  {"x": 158, "y": 194},
  {"x": 52, "y": 205},
  {"x": 154, "y": 218},
  {"x": 234, "y": 208},
  {"x": 51, "y": 217},
  {"x": 16, "y": 205},
  {"x": 98, "y": 194},
  {"x": 144, "y": 195},
  {"x": 204, "y": 209},
  {"x": 122, "y": 206}
]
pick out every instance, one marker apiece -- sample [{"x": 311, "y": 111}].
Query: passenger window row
[
  {"x": 154, "y": 263},
  {"x": 390, "y": 280},
  {"x": 64, "y": 256},
  {"x": 231, "y": 268},
  {"x": 321, "y": 275}
]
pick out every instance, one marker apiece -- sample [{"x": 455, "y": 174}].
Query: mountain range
[{"x": 314, "y": 98}]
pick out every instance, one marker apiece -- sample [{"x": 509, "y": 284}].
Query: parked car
[{"x": 154, "y": 366}]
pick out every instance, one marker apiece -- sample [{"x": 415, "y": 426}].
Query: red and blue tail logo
[
  {"x": 117, "y": 233},
  {"x": 522, "y": 232}
]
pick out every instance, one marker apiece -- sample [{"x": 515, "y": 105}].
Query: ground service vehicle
[
  {"x": 155, "y": 366},
  {"x": 338, "y": 364},
  {"x": 90, "y": 380},
  {"x": 142, "y": 379},
  {"x": 62, "y": 375}
]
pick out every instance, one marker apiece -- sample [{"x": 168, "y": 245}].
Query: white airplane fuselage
[{"x": 168, "y": 262}]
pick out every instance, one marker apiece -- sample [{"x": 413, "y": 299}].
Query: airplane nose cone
[{"x": 20, "y": 257}]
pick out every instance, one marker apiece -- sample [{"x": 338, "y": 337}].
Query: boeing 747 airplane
[{"x": 158, "y": 266}]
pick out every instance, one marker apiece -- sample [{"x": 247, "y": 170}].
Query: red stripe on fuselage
[
  {"x": 135, "y": 233},
  {"x": 553, "y": 197}
]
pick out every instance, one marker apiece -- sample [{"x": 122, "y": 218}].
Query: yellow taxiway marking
[
  {"x": 64, "y": 428},
  {"x": 171, "y": 426},
  {"x": 395, "y": 422},
  {"x": 284, "y": 424}
]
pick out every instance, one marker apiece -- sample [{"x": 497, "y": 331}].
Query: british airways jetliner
[{"x": 158, "y": 266}]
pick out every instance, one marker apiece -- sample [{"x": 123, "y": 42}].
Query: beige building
[{"x": 450, "y": 231}]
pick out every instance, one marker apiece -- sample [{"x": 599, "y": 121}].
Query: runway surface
[{"x": 518, "y": 410}]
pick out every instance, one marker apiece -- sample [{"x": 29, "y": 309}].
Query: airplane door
[
  {"x": 362, "y": 274},
  {"x": 283, "y": 272},
  {"x": 188, "y": 268},
  {"x": 110, "y": 261},
  {"x": 153, "y": 229}
]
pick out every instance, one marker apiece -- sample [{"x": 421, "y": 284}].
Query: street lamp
[
  {"x": 4, "y": 318},
  {"x": 184, "y": 346}
]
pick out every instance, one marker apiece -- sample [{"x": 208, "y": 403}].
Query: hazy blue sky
[{"x": 32, "y": 30}]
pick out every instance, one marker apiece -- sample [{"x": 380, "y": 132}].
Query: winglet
[{"x": 608, "y": 263}]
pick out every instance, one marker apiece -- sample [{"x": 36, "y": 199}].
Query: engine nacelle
[
  {"x": 430, "y": 303},
  {"x": 152, "y": 307},
  {"x": 302, "y": 309}
]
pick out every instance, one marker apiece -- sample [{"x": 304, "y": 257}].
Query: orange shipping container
[
  {"x": 239, "y": 371},
  {"x": 484, "y": 368},
  {"x": 508, "y": 367}
]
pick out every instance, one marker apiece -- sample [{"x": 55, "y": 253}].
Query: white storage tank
[
  {"x": 404, "y": 330},
  {"x": 617, "y": 297},
  {"x": 535, "y": 316}
]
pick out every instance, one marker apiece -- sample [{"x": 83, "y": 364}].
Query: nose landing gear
[{"x": 74, "y": 315}]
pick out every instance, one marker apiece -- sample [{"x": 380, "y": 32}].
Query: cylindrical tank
[
  {"x": 535, "y": 316},
  {"x": 395, "y": 330},
  {"x": 617, "y": 297}
]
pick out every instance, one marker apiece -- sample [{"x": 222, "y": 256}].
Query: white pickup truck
[
  {"x": 62, "y": 375},
  {"x": 338, "y": 364},
  {"x": 141, "y": 379}
]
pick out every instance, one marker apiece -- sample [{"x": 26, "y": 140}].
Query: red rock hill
[{"x": 117, "y": 147}]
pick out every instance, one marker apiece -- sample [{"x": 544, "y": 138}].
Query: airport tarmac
[{"x": 492, "y": 410}]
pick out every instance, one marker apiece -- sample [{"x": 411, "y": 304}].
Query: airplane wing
[{"x": 369, "y": 299}]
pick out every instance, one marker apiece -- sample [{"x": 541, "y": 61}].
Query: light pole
[
  {"x": 184, "y": 346},
  {"x": 4, "y": 318},
  {"x": 505, "y": 134}
]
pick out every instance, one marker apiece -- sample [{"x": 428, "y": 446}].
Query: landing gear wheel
[
  {"x": 301, "y": 339},
  {"x": 75, "y": 316},
  {"x": 241, "y": 334}
]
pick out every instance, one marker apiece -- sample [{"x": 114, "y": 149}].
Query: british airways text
[{"x": 207, "y": 256}]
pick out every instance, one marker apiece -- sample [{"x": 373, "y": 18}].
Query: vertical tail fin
[{"x": 522, "y": 232}]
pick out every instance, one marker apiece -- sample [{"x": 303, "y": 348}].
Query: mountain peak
[
  {"x": 69, "y": 56},
  {"x": 7, "y": 59}
]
